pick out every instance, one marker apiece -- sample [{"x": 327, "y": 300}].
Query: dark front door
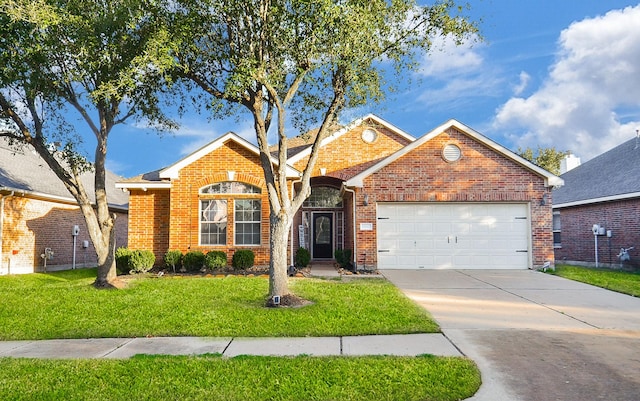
[{"x": 323, "y": 235}]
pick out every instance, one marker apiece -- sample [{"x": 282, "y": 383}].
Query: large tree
[
  {"x": 300, "y": 63},
  {"x": 69, "y": 72}
]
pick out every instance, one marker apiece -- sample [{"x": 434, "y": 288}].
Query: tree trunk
[
  {"x": 278, "y": 266},
  {"x": 105, "y": 251}
]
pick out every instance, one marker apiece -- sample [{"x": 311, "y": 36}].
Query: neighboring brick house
[
  {"x": 38, "y": 213},
  {"x": 450, "y": 199},
  {"x": 604, "y": 191}
]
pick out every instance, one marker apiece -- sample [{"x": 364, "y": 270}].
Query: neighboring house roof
[
  {"x": 302, "y": 150},
  {"x": 614, "y": 175},
  {"x": 24, "y": 172},
  {"x": 161, "y": 178},
  {"x": 550, "y": 179}
]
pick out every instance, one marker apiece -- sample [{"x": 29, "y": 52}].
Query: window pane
[
  {"x": 324, "y": 197},
  {"x": 557, "y": 226},
  {"x": 556, "y": 238},
  {"x": 248, "y": 216},
  {"x": 213, "y": 222}
]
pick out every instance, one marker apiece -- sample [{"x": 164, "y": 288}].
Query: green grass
[
  {"x": 615, "y": 280},
  {"x": 246, "y": 378},
  {"x": 66, "y": 305}
]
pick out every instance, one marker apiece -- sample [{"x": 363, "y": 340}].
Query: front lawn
[
  {"x": 245, "y": 378},
  {"x": 615, "y": 280},
  {"x": 66, "y": 305}
]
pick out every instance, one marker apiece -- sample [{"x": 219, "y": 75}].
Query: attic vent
[{"x": 451, "y": 153}]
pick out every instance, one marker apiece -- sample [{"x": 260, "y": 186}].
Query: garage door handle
[
  {"x": 521, "y": 250},
  {"x": 383, "y": 250}
]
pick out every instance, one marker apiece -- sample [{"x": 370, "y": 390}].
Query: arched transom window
[
  {"x": 230, "y": 187},
  {"x": 324, "y": 197}
]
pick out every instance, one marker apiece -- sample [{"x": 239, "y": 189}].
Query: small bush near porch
[{"x": 65, "y": 305}]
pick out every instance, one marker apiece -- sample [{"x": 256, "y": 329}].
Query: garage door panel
[{"x": 441, "y": 236}]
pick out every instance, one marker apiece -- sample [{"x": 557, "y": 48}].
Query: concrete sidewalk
[{"x": 122, "y": 348}]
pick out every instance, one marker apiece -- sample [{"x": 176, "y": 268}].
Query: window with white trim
[
  {"x": 557, "y": 230},
  {"x": 247, "y": 221}
]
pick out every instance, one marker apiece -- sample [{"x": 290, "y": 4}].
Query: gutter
[
  {"x": 355, "y": 238},
  {"x": 292, "y": 256},
  {"x": 56, "y": 198}
]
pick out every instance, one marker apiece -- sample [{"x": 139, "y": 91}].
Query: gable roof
[
  {"x": 302, "y": 150},
  {"x": 550, "y": 179},
  {"x": 613, "y": 175},
  {"x": 24, "y": 172},
  {"x": 161, "y": 178}
]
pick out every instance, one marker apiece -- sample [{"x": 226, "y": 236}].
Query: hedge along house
[
  {"x": 450, "y": 199},
  {"x": 38, "y": 216}
]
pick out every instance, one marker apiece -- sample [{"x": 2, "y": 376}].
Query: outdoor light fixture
[
  {"x": 543, "y": 202},
  {"x": 366, "y": 200}
]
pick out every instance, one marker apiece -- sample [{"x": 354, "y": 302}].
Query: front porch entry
[{"x": 322, "y": 235}]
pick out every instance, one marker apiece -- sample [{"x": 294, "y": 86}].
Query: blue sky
[{"x": 550, "y": 73}]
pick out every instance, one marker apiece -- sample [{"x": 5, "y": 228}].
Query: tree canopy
[
  {"x": 300, "y": 63},
  {"x": 547, "y": 158},
  {"x": 83, "y": 60}
]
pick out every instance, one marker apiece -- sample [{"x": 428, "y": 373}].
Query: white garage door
[{"x": 453, "y": 236}]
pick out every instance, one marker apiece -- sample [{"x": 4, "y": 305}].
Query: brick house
[
  {"x": 604, "y": 191},
  {"x": 450, "y": 199},
  {"x": 37, "y": 213}
]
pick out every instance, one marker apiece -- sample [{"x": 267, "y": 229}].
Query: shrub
[
  {"x": 122, "y": 260},
  {"x": 343, "y": 258},
  {"x": 173, "y": 259},
  {"x": 303, "y": 257},
  {"x": 215, "y": 259},
  {"x": 243, "y": 259},
  {"x": 193, "y": 260},
  {"x": 141, "y": 261}
]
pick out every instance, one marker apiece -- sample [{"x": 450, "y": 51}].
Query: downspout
[
  {"x": 2, "y": 198},
  {"x": 353, "y": 223},
  {"x": 293, "y": 192}
]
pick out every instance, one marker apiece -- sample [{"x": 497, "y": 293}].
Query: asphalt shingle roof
[
  {"x": 615, "y": 172},
  {"x": 24, "y": 170}
]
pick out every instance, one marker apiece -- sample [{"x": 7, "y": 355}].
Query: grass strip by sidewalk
[
  {"x": 615, "y": 280},
  {"x": 245, "y": 378},
  {"x": 66, "y": 305}
]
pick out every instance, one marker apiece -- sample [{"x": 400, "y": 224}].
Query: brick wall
[
  {"x": 577, "y": 239},
  {"x": 481, "y": 175},
  {"x": 163, "y": 219},
  {"x": 348, "y": 155},
  {"x": 149, "y": 221},
  {"x": 31, "y": 225}
]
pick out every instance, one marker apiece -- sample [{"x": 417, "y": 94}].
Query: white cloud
[
  {"x": 522, "y": 85},
  {"x": 446, "y": 58},
  {"x": 595, "y": 78}
]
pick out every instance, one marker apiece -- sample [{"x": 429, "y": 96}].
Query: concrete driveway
[{"x": 534, "y": 336}]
